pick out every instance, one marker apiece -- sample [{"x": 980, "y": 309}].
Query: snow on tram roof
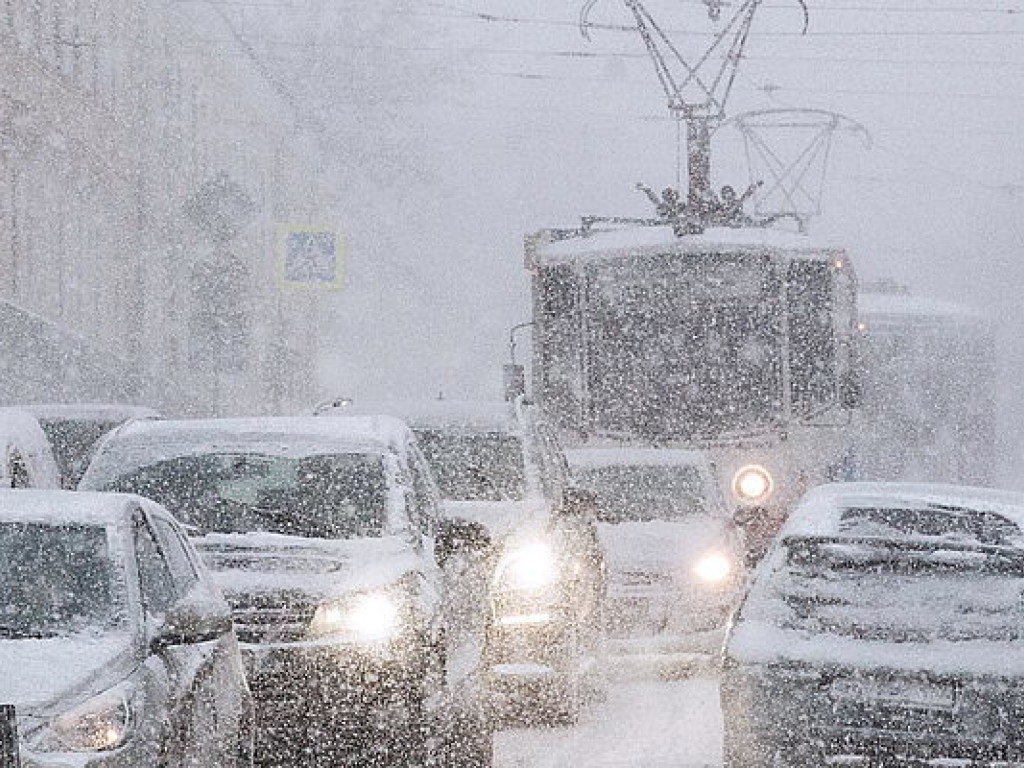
[{"x": 617, "y": 241}]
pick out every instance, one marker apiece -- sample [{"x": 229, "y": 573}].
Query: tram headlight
[{"x": 752, "y": 484}]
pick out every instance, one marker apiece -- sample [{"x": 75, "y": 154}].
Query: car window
[
  {"x": 893, "y": 590},
  {"x": 58, "y": 579},
  {"x": 424, "y": 493},
  {"x": 475, "y": 466},
  {"x": 17, "y": 471},
  {"x": 182, "y": 566},
  {"x": 641, "y": 493},
  {"x": 156, "y": 582}
]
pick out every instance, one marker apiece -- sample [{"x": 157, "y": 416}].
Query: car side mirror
[
  {"x": 456, "y": 535},
  {"x": 197, "y": 618},
  {"x": 578, "y": 502}
]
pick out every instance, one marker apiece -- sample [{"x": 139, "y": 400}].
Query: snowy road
[{"x": 643, "y": 724}]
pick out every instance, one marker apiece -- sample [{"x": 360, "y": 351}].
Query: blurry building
[{"x": 147, "y": 160}]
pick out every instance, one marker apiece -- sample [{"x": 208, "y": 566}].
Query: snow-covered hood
[
  {"x": 251, "y": 563},
  {"x": 39, "y": 671},
  {"x": 660, "y": 546},
  {"x": 502, "y": 518}
]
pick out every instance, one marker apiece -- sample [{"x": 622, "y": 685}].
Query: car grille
[{"x": 272, "y": 618}]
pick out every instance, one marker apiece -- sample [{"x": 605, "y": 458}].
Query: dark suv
[
  {"x": 497, "y": 465},
  {"x": 321, "y": 533},
  {"x": 885, "y": 627}
]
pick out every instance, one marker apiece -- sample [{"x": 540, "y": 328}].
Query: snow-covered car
[
  {"x": 116, "y": 648},
  {"x": 498, "y": 466},
  {"x": 885, "y": 625},
  {"x": 73, "y": 430},
  {"x": 675, "y": 559},
  {"x": 26, "y": 458},
  {"x": 322, "y": 534}
]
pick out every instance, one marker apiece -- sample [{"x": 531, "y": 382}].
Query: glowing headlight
[
  {"x": 713, "y": 567},
  {"x": 99, "y": 725},
  {"x": 530, "y": 567},
  {"x": 371, "y": 618},
  {"x": 753, "y": 483}
]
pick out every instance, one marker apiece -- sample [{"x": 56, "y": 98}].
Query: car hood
[
  {"x": 40, "y": 671},
  {"x": 661, "y": 546},
  {"x": 502, "y": 518},
  {"x": 251, "y": 563}
]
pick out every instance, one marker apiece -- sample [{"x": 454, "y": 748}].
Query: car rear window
[{"x": 896, "y": 590}]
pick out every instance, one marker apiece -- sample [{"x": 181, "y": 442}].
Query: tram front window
[{"x": 685, "y": 346}]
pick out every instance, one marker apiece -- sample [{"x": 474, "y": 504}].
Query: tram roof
[{"x": 613, "y": 242}]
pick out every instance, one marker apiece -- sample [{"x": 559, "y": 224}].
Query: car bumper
[{"x": 845, "y": 715}]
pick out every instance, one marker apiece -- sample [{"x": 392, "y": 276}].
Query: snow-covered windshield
[
  {"x": 684, "y": 345},
  {"x": 640, "y": 494},
  {"x": 486, "y": 466},
  {"x": 73, "y": 441},
  {"x": 882, "y": 591},
  {"x": 57, "y": 579},
  {"x": 331, "y": 496}
]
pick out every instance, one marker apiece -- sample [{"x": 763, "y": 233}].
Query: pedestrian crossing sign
[{"x": 310, "y": 257}]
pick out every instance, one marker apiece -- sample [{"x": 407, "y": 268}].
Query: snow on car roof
[
  {"x": 140, "y": 443},
  {"x": 617, "y": 457},
  {"x": 615, "y": 242},
  {"x": 822, "y": 510},
  {"x": 470, "y": 415},
  {"x": 63, "y": 507},
  {"x": 90, "y": 411},
  {"x": 350, "y": 432}
]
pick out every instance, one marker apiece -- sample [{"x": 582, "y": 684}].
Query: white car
[
  {"x": 116, "y": 648},
  {"x": 322, "y": 534},
  {"x": 26, "y": 457},
  {"x": 675, "y": 558},
  {"x": 884, "y": 627}
]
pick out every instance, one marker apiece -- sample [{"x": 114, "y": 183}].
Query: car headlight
[
  {"x": 753, "y": 483},
  {"x": 713, "y": 568},
  {"x": 100, "y": 724},
  {"x": 529, "y": 567},
  {"x": 373, "y": 617}
]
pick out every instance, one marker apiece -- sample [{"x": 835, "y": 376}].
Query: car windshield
[
  {"x": 899, "y": 591},
  {"x": 475, "y": 466},
  {"x": 636, "y": 494},
  {"x": 329, "y": 496},
  {"x": 72, "y": 441},
  {"x": 57, "y": 579}
]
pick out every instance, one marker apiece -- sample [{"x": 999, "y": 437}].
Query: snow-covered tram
[{"x": 739, "y": 340}]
